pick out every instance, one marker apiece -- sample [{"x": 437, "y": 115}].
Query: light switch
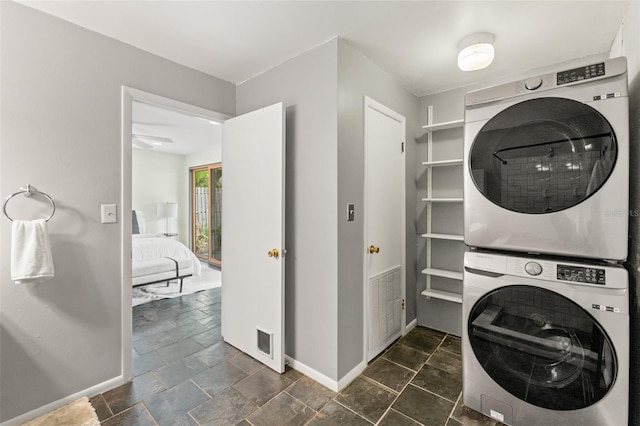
[
  {"x": 108, "y": 213},
  {"x": 350, "y": 212}
]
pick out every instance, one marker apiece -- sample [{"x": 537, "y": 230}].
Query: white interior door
[
  {"x": 253, "y": 154},
  {"x": 384, "y": 225}
]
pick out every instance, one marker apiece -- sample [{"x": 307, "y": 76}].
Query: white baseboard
[
  {"x": 348, "y": 378},
  {"x": 410, "y": 326},
  {"x": 90, "y": 392},
  {"x": 334, "y": 385}
]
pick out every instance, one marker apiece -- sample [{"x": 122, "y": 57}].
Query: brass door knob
[
  {"x": 374, "y": 249},
  {"x": 273, "y": 253}
]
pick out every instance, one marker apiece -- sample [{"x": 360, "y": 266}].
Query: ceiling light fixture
[{"x": 476, "y": 51}]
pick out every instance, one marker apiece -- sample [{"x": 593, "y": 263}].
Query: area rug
[
  {"x": 210, "y": 278},
  {"x": 78, "y": 413}
]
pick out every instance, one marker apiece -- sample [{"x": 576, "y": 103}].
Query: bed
[{"x": 156, "y": 258}]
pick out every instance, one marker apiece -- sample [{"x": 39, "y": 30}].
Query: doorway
[
  {"x": 129, "y": 96},
  {"x": 206, "y": 212},
  {"x": 384, "y": 227}
]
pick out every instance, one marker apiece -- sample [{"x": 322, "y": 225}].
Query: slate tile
[
  {"x": 282, "y": 410},
  {"x": 423, "y": 339},
  {"x": 311, "y": 393},
  {"x": 146, "y": 344},
  {"x": 179, "y": 350},
  {"x": 216, "y": 353},
  {"x": 422, "y": 406},
  {"x": 366, "y": 398},
  {"x": 262, "y": 386},
  {"x": 209, "y": 337},
  {"x": 469, "y": 417},
  {"x": 442, "y": 383},
  {"x": 394, "y": 418},
  {"x": 389, "y": 374},
  {"x": 171, "y": 407},
  {"x": 246, "y": 363},
  {"x": 452, "y": 344},
  {"x": 219, "y": 377},
  {"x": 292, "y": 374},
  {"x": 446, "y": 361},
  {"x": 100, "y": 405},
  {"x": 134, "y": 416},
  {"x": 131, "y": 393},
  {"x": 179, "y": 371},
  {"x": 147, "y": 362},
  {"x": 334, "y": 414},
  {"x": 229, "y": 407},
  {"x": 189, "y": 329},
  {"x": 406, "y": 356}
]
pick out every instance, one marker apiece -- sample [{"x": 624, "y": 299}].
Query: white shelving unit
[{"x": 430, "y": 164}]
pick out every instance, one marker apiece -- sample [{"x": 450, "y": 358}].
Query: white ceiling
[
  {"x": 189, "y": 134},
  {"x": 414, "y": 41}
]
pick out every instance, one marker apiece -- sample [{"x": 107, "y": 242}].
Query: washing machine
[
  {"x": 547, "y": 163},
  {"x": 545, "y": 341}
]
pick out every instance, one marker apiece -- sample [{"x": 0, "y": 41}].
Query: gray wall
[
  {"x": 307, "y": 86},
  {"x": 61, "y": 118},
  {"x": 359, "y": 77}
]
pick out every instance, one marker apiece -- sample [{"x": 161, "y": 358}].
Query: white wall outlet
[{"x": 108, "y": 213}]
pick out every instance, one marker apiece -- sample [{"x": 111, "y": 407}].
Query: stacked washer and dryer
[{"x": 545, "y": 295}]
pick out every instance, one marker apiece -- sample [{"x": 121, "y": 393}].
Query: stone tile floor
[{"x": 186, "y": 375}]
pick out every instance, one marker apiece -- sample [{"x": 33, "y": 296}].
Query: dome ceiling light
[{"x": 476, "y": 51}]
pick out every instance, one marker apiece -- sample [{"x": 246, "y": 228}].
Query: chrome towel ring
[{"x": 29, "y": 191}]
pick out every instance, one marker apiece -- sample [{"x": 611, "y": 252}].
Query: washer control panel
[
  {"x": 581, "y": 274},
  {"x": 582, "y": 73}
]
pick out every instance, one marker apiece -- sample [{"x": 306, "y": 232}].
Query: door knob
[
  {"x": 374, "y": 249},
  {"x": 273, "y": 253}
]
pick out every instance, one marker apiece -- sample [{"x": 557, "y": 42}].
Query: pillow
[
  {"x": 135, "y": 229},
  {"x": 142, "y": 222}
]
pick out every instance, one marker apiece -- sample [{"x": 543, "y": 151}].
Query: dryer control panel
[
  {"x": 578, "y": 74},
  {"x": 581, "y": 274}
]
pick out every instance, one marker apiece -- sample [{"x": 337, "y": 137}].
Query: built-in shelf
[
  {"x": 454, "y": 275},
  {"x": 443, "y": 295},
  {"x": 443, "y": 163},
  {"x": 451, "y": 237},
  {"x": 444, "y": 126},
  {"x": 442, "y": 200}
]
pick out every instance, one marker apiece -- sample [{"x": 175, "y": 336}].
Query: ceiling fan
[{"x": 139, "y": 140}]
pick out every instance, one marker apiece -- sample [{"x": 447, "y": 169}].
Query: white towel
[{"x": 31, "y": 259}]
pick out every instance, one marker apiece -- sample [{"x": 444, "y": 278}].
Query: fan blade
[
  {"x": 153, "y": 138},
  {"x": 141, "y": 144}
]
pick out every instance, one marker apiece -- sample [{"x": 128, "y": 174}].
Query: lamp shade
[
  {"x": 167, "y": 209},
  {"x": 476, "y": 52}
]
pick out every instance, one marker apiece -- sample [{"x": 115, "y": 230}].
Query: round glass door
[
  {"x": 542, "y": 347},
  {"x": 543, "y": 155}
]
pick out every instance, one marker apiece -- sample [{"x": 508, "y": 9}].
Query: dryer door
[
  {"x": 542, "y": 348},
  {"x": 543, "y": 155}
]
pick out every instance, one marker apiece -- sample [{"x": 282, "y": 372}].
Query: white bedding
[{"x": 153, "y": 246}]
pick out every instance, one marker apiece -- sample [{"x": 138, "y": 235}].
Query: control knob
[
  {"x": 533, "y": 83},
  {"x": 533, "y": 268}
]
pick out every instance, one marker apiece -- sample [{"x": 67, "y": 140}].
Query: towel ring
[{"x": 29, "y": 192}]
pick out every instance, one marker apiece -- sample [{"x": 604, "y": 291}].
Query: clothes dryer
[
  {"x": 545, "y": 341},
  {"x": 547, "y": 164}
]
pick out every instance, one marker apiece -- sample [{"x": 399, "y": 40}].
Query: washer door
[
  {"x": 542, "y": 348},
  {"x": 543, "y": 155}
]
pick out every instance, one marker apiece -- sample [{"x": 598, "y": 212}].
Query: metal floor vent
[{"x": 265, "y": 342}]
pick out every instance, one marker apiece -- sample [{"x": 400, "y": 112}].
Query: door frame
[
  {"x": 129, "y": 95},
  {"x": 192, "y": 210},
  {"x": 369, "y": 103}
]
